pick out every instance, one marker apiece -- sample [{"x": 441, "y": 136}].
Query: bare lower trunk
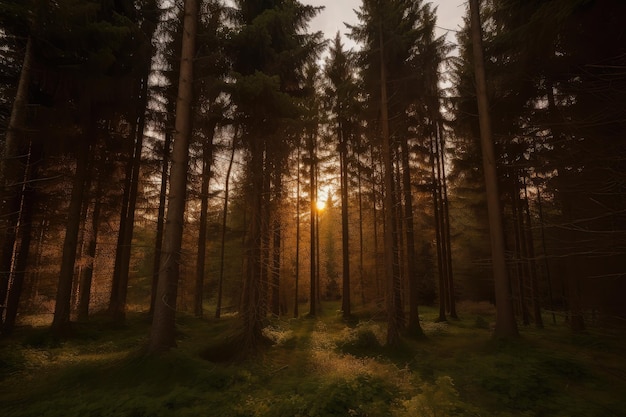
[
  {"x": 11, "y": 173},
  {"x": 207, "y": 159},
  {"x": 162, "y": 333},
  {"x": 61, "y": 321},
  {"x": 393, "y": 322},
  {"x": 220, "y": 282},
  {"x": 505, "y": 319},
  {"x": 25, "y": 231},
  {"x": 158, "y": 246}
]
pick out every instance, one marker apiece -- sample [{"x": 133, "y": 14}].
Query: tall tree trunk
[
  {"x": 520, "y": 255},
  {"x": 220, "y": 282},
  {"x": 162, "y": 334},
  {"x": 446, "y": 223},
  {"x": 297, "y": 272},
  {"x": 532, "y": 264},
  {"x": 61, "y": 321},
  {"x": 207, "y": 159},
  {"x": 25, "y": 231},
  {"x": 265, "y": 236},
  {"x": 505, "y": 319},
  {"x": 393, "y": 321},
  {"x": 345, "y": 236},
  {"x": 87, "y": 271},
  {"x": 413, "y": 326},
  {"x": 252, "y": 289},
  {"x": 11, "y": 173},
  {"x": 313, "y": 198},
  {"x": 276, "y": 241},
  {"x": 158, "y": 245},
  {"x": 545, "y": 254},
  {"x": 438, "y": 233},
  {"x": 375, "y": 226},
  {"x": 118, "y": 306},
  {"x": 361, "y": 248}
]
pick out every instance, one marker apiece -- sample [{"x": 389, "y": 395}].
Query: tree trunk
[
  {"x": 313, "y": 197},
  {"x": 25, "y": 231},
  {"x": 446, "y": 224},
  {"x": 276, "y": 243},
  {"x": 393, "y": 322},
  {"x": 361, "y": 248},
  {"x": 11, "y": 173},
  {"x": 118, "y": 306},
  {"x": 345, "y": 236},
  {"x": 87, "y": 272},
  {"x": 297, "y": 272},
  {"x": 252, "y": 297},
  {"x": 438, "y": 233},
  {"x": 505, "y": 319},
  {"x": 61, "y": 321},
  {"x": 162, "y": 334},
  {"x": 207, "y": 159},
  {"x": 413, "y": 328},
  {"x": 532, "y": 264},
  {"x": 220, "y": 282},
  {"x": 158, "y": 245}
]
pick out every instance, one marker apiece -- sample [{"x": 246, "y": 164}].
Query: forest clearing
[{"x": 317, "y": 367}]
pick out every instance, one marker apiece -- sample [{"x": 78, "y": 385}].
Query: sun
[{"x": 320, "y": 205}]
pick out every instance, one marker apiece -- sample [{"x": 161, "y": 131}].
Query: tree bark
[
  {"x": 393, "y": 322},
  {"x": 61, "y": 321},
  {"x": 25, "y": 231},
  {"x": 297, "y": 271},
  {"x": 413, "y": 327},
  {"x": 162, "y": 333},
  {"x": 345, "y": 236},
  {"x": 313, "y": 198},
  {"x": 207, "y": 159},
  {"x": 505, "y": 319},
  {"x": 220, "y": 282},
  {"x": 158, "y": 245},
  {"x": 11, "y": 173}
]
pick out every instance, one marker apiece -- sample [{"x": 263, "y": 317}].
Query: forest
[{"x": 208, "y": 209}]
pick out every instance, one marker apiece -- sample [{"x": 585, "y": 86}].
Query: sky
[{"x": 330, "y": 20}]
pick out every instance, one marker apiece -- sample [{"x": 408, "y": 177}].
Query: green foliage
[{"x": 316, "y": 368}]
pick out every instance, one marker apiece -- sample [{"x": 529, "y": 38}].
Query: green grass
[{"x": 316, "y": 368}]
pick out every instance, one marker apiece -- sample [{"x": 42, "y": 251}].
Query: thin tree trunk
[
  {"x": 361, "y": 249},
  {"x": 162, "y": 334},
  {"x": 297, "y": 272},
  {"x": 532, "y": 264},
  {"x": 207, "y": 159},
  {"x": 505, "y": 319},
  {"x": 87, "y": 272},
  {"x": 413, "y": 327},
  {"x": 276, "y": 242},
  {"x": 158, "y": 245},
  {"x": 313, "y": 197},
  {"x": 520, "y": 256},
  {"x": 220, "y": 282},
  {"x": 545, "y": 255},
  {"x": 345, "y": 236},
  {"x": 446, "y": 223},
  {"x": 438, "y": 234},
  {"x": 11, "y": 173},
  {"x": 61, "y": 321},
  {"x": 118, "y": 306},
  {"x": 25, "y": 231}
]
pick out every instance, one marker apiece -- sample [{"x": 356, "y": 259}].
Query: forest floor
[{"x": 316, "y": 368}]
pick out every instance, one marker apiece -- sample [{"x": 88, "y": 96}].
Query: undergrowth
[{"x": 315, "y": 368}]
